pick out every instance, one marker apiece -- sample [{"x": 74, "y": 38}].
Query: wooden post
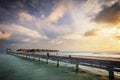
[
  {"x": 39, "y": 58},
  {"x": 47, "y": 57},
  {"x": 70, "y": 57},
  {"x": 57, "y": 63},
  {"x": 33, "y": 57},
  {"x": 77, "y": 67},
  {"x": 26, "y": 56},
  {"x": 17, "y": 54},
  {"x": 111, "y": 73},
  {"x": 29, "y": 56}
]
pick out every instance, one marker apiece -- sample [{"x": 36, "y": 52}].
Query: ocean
[
  {"x": 19, "y": 68},
  {"x": 97, "y": 54}
]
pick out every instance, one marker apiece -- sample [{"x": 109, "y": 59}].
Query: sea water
[
  {"x": 101, "y": 54},
  {"x": 19, "y": 68}
]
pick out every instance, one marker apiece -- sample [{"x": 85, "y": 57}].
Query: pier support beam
[
  {"x": 26, "y": 57},
  {"x": 111, "y": 73},
  {"x": 33, "y": 57},
  {"x": 77, "y": 68},
  {"x": 47, "y": 57},
  {"x": 47, "y": 60},
  {"x": 23, "y": 56},
  {"x": 39, "y": 58},
  {"x": 57, "y": 63}
]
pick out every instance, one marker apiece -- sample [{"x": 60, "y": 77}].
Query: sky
[{"x": 66, "y": 25}]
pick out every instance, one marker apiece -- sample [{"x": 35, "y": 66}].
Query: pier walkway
[{"x": 110, "y": 64}]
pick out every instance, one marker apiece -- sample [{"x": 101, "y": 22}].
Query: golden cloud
[
  {"x": 91, "y": 33},
  {"x": 109, "y": 15},
  {"x": 57, "y": 12},
  {"x": 5, "y": 35},
  {"x": 117, "y": 37}
]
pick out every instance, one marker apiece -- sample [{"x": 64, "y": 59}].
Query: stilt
[
  {"x": 17, "y": 54},
  {"x": 29, "y": 56},
  {"x": 111, "y": 73},
  {"x": 47, "y": 57},
  {"x": 47, "y": 60},
  {"x": 39, "y": 58},
  {"x": 57, "y": 63},
  {"x": 26, "y": 57},
  {"x": 70, "y": 57},
  {"x": 77, "y": 69},
  {"x": 33, "y": 58}
]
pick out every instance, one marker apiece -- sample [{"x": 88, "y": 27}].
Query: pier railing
[{"x": 110, "y": 65}]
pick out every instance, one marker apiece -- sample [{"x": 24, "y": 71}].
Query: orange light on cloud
[{"x": 5, "y": 35}]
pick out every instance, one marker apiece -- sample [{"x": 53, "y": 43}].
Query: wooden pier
[
  {"x": 110, "y": 64},
  {"x": 8, "y": 51}
]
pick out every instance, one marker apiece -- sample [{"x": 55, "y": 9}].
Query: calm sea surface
[
  {"x": 18, "y": 68},
  {"x": 103, "y": 54}
]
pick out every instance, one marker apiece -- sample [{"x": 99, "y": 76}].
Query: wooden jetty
[
  {"x": 8, "y": 51},
  {"x": 109, "y": 64}
]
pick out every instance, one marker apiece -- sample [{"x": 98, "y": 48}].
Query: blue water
[
  {"x": 19, "y": 68},
  {"x": 103, "y": 54}
]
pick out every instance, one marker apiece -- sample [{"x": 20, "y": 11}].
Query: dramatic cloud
[
  {"x": 60, "y": 24},
  {"x": 28, "y": 32},
  {"x": 22, "y": 31},
  {"x": 5, "y": 35},
  {"x": 23, "y": 16},
  {"x": 117, "y": 37},
  {"x": 91, "y": 33},
  {"x": 109, "y": 15},
  {"x": 57, "y": 13}
]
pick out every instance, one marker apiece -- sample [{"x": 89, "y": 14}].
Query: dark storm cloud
[
  {"x": 105, "y": 1},
  {"x": 9, "y": 9},
  {"x": 39, "y": 6},
  {"x": 109, "y": 15}
]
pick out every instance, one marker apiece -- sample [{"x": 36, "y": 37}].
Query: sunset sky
[{"x": 70, "y": 25}]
